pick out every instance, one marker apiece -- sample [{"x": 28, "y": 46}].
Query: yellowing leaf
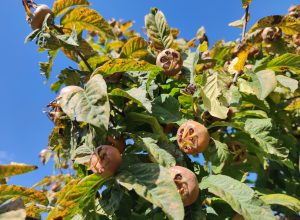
[
  {"x": 115, "y": 45},
  {"x": 158, "y": 29},
  {"x": 242, "y": 58},
  {"x": 295, "y": 104},
  {"x": 86, "y": 19},
  {"x": 124, "y": 65},
  {"x": 282, "y": 199},
  {"x": 288, "y": 24},
  {"x": 74, "y": 197},
  {"x": 135, "y": 47},
  {"x": 15, "y": 169},
  {"x": 61, "y": 6},
  {"x": 27, "y": 195}
]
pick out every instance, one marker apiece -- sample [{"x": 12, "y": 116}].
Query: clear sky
[{"x": 24, "y": 129}]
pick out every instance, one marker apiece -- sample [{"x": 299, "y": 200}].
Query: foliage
[{"x": 244, "y": 92}]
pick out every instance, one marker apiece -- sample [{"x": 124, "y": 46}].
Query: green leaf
[
  {"x": 90, "y": 106},
  {"x": 137, "y": 95},
  {"x": 213, "y": 94},
  {"x": 26, "y": 194},
  {"x": 282, "y": 199},
  {"x": 76, "y": 197},
  {"x": 189, "y": 64},
  {"x": 135, "y": 47},
  {"x": 157, "y": 154},
  {"x": 158, "y": 29},
  {"x": 288, "y": 82},
  {"x": 282, "y": 63},
  {"x": 32, "y": 35},
  {"x": 86, "y": 19},
  {"x": 61, "y": 6},
  {"x": 127, "y": 65},
  {"x": 259, "y": 129},
  {"x": 15, "y": 169},
  {"x": 166, "y": 109},
  {"x": 239, "y": 196},
  {"x": 46, "y": 67},
  {"x": 155, "y": 184},
  {"x": 264, "y": 82},
  {"x": 217, "y": 154}
]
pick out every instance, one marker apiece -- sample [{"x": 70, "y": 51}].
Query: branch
[{"x": 245, "y": 22}]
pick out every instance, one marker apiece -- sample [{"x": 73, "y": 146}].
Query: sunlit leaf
[
  {"x": 15, "y": 169},
  {"x": 126, "y": 65},
  {"x": 135, "y": 47},
  {"x": 214, "y": 88},
  {"x": 155, "y": 184},
  {"x": 137, "y": 95},
  {"x": 288, "y": 82},
  {"x": 46, "y": 67},
  {"x": 265, "y": 82},
  {"x": 91, "y": 105},
  {"x": 86, "y": 19},
  {"x": 282, "y": 199},
  {"x": 158, "y": 29},
  {"x": 76, "y": 197},
  {"x": 26, "y": 194},
  {"x": 61, "y": 6},
  {"x": 259, "y": 129},
  {"x": 239, "y": 196},
  {"x": 288, "y": 24},
  {"x": 294, "y": 104},
  {"x": 282, "y": 63}
]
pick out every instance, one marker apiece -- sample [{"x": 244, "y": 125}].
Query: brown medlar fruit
[
  {"x": 270, "y": 34},
  {"x": 192, "y": 137},
  {"x": 187, "y": 184},
  {"x": 105, "y": 161},
  {"x": 38, "y": 16},
  {"x": 170, "y": 60}
]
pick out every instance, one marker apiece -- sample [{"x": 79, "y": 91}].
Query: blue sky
[{"x": 24, "y": 128}]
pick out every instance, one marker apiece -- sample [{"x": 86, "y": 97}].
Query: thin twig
[
  {"x": 76, "y": 51},
  {"x": 245, "y": 22}
]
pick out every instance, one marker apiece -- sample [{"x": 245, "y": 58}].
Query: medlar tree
[{"x": 135, "y": 116}]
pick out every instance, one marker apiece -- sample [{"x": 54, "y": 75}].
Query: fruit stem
[{"x": 27, "y": 9}]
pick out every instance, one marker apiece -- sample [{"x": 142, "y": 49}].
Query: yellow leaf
[
  {"x": 61, "y": 6},
  {"x": 242, "y": 58},
  {"x": 115, "y": 45},
  {"x": 295, "y": 104},
  {"x": 135, "y": 47},
  {"x": 15, "y": 169},
  {"x": 86, "y": 19}
]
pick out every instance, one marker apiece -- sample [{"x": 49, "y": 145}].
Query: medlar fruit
[
  {"x": 192, "y": 137},
  {"x": 238, "y": 217},
  {"x": 105, "y": 160},
  {"x": 170, "y": 60},
  {"x": 38, "y": 16},
  {"x": 270, "y": 34},
  {"x": 187, "y": 184}
]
